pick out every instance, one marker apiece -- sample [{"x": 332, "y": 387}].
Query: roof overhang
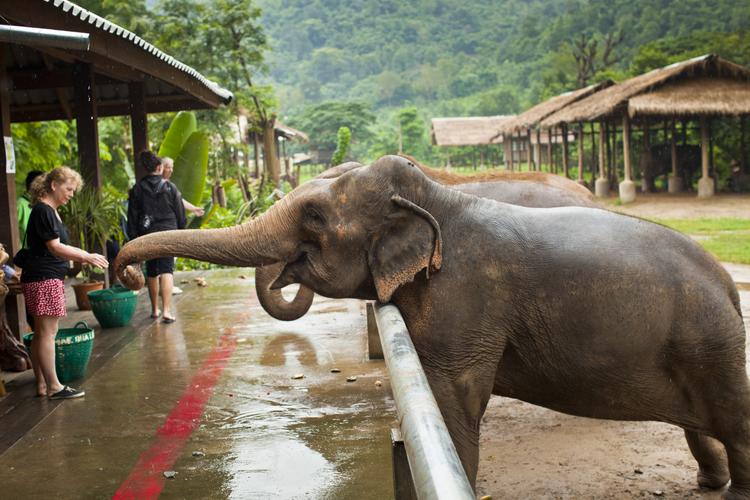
[{"x": 42, "y": 75}]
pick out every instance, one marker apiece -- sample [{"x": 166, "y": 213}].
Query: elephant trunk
[
  {"x": 251, "y": 244},
  {"x": 274, "y": 302}
]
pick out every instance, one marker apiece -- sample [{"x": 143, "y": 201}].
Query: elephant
[
  {"x": 576, "y": 309},
  {"x": 528, "y": 189}
]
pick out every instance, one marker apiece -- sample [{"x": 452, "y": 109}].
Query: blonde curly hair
[{"x": 42, "y": 185}]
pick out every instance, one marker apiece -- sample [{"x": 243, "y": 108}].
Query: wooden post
[
  {"x": 674, "y": 182},
  {"x": 538, "y": 165},
  {"x": 593, "y": 153},
  {"x": 14, "y": 308},
  {"x": 608, "y": 151},
  {"x": 138, "y": 124},
  {"x": 705, "y": 183},
  {"x": 550, "y": 159},
  {"x": 646, "y": 177},
  {"x": 521, "y": 143},
  {"x": 86, "y": 123},
  {"x": 601, "y": 188},
  {"x": 743, "y": 144},
  {"x": 627, "y": 186},
  {"x": 565, "y": 158},
  {"x": 529, "y": 151},
  {"x": 615, "y": 166},
  {"x": 581, "y": 134},
  {"x": 506, "y": 149}
]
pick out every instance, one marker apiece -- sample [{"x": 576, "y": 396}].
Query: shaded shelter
[
  {"x": 525, "y": 126},
  {"x": 700, "y": 88},
  {"x": 66, "y": 63},
  {"x": 467, "y": 131}
]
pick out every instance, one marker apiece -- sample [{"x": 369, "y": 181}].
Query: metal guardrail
[{"x": 436, "y": 471}]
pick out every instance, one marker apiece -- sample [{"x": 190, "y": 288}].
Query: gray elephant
[
  {"x": 528, "y": 189},
  {"x": 580, "y": 310}
]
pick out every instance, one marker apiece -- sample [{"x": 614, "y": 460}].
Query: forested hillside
[{"x": 479, "y": 57}]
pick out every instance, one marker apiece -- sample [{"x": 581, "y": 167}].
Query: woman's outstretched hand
[{"x": 96, "y": 259}]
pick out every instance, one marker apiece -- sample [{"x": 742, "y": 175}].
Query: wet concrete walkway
[{"x": 212, "y": 397}]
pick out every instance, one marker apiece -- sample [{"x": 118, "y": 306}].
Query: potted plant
[{"x": 92, "y": 218}]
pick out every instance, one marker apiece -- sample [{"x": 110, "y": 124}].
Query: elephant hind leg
[
  {"x": 713, "y": 467},
  {"x": 731, "y": 426}
]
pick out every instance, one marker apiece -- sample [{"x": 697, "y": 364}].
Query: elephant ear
[{"x": 406, "y": 243}]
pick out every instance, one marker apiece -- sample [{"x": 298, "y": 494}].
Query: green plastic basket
[
  {"x": 72, "y": 350},
  {"x": 113, "y": 307}
]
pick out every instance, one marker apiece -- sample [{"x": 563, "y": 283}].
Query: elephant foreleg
[{"x": 462, "y": 402}]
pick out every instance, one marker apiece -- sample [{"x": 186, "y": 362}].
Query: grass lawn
[{"x": 727, "y": 238}]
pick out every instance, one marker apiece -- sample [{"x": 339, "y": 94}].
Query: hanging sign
[{"x": 10, "y": 156}]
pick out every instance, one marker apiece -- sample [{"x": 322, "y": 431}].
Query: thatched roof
[
  {"x": 702, "y": 96},
  {"x": 467, "y": 131},
  {"x": 710, "y": 69},
  {"x": 532, "y": 116}
]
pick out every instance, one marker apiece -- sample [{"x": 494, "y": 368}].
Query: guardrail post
[
  {"x": 436, "y": 470},
  {"x": 374, "y": 349},
  {"x": 403, "y": 486}
]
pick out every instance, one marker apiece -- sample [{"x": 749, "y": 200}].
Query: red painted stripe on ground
[{"x": 146, "y": 480}]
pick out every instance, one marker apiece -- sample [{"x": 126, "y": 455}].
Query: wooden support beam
[
  {"x": 743, "y": 144},
  {"x": 550, "y": 159},
  {"x": 86, "y": 124},
  {"x": 529, "y": 151},
  {"x": 706, "y": 186},
  {"x": 138, "y": 125},
  {"x": 581, "y": 134},
  {"x": 14, "y": 307},
  {"x": 626, "y": 147},
  {"x": 565, "y": 158}
]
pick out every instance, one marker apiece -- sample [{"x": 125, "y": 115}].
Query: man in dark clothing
[{"x": 155, "y": 204}]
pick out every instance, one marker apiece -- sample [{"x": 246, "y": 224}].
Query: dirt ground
[
  {"x": 685, "y": 206},
  {"x": 530, "y": 452}
]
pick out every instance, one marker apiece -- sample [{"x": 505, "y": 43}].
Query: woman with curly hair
[{"x": 42, "y": 277}]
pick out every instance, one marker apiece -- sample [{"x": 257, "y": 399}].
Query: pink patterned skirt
[{"x": 45, "y": 298}]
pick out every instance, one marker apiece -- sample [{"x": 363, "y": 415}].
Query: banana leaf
[
  {"x": 191, "y": 167},
  {"x": 183, "y": 124}
]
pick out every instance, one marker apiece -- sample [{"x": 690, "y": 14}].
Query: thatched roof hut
[
  {"x": 467, "y": 131},
  {"x": 706, "y": 85},
  {"x": 531, "y": 117}
]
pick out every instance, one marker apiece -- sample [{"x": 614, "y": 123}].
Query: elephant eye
[{"x": 313, "y": 215}]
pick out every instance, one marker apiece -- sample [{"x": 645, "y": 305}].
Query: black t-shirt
[{"x": 44, "y": 225}]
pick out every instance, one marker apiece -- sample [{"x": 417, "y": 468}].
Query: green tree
[
  {"x": 344, "y": 138},
  {"x": 323, "y": 121}
]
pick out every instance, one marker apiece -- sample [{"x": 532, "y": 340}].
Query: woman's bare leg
[{"x": 43, "y": 344}]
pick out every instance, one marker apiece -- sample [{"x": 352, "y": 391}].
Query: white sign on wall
[{"x": 10, "y": 156}]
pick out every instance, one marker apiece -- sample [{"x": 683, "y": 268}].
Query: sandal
[
  {"x": 154, "y": 316},
  {"x": 168, "y": 320},
  {"x": 68, "y": 392}
]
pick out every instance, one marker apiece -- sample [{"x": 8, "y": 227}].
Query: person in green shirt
[{"x": 23, "y": 204}]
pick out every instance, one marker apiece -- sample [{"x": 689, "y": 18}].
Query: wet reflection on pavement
[{"x": 264, "y": 432}]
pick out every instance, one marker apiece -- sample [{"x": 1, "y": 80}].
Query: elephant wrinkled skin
[
  {"x": 580, "y": 310},
  {"x": 528, "y": 189}
]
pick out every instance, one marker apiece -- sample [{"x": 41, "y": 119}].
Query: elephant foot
[
  {"x": 734, "y": 493},
  {"x": 713, "y": 480}
]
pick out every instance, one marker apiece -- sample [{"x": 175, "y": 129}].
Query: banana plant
[{"x": 188, "y": 146}]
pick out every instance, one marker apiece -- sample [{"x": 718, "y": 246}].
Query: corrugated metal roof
[{"x": 102, "y": 24}]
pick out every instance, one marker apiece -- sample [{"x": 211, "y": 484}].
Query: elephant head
[
  {"x": 531, "y": 189},
  {"x": 360, "y": 234},
  {"x": 271, "y": 299}
]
